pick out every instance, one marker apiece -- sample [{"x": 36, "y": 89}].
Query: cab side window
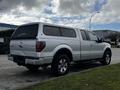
[
  {"x": 92, "y": 36},
  {"x": 84, "y": 35}
]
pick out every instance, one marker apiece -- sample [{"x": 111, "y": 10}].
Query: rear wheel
[
  {"x": 32, "y": 67},
  {"x": 60, "y": 65},
  {"x": 106, "y": 58}
]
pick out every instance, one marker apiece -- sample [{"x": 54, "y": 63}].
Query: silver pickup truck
[{"x": 41, "y": 44}]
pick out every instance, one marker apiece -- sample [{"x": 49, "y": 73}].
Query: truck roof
[
  {"x": 49, "y": 24},
  {"x": 53, "y": 25}
]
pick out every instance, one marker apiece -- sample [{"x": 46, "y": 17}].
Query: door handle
[{"x": 20, "y": 46}]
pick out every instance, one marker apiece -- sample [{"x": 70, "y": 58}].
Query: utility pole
[{"x": 90, "y": 22}]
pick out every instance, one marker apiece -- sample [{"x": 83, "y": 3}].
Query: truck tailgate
[{"x": 23, "y": 48}]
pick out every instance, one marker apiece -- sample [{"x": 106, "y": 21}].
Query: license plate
[{"x": 29, "y": 61}]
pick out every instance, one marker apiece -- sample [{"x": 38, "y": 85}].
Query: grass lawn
[{"x": 102, "y": 78}]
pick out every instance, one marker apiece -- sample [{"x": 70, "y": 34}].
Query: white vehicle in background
[
  {"x": 118, "y": 45},
  {"x": 41, "y": 44}
]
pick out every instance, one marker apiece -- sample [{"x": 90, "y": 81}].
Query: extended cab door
[{"x": 85, "y": 46}]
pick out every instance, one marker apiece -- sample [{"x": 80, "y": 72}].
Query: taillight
[{"x": 40, "y": 45}]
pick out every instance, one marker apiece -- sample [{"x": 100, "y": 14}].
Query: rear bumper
[{"x": 21, "y": 60}]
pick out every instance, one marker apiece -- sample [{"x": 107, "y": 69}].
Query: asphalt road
[{"x": 13, "y": 76}]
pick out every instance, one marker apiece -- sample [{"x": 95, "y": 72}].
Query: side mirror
[{"x": 100, "y": 40}]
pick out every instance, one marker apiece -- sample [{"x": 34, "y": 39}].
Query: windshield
[{"x": 26, "y": 32}]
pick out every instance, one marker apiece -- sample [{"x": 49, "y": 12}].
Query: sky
[{"x": 74, "y": 13}]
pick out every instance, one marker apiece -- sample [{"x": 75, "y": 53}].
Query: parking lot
[{"x": 13, "y": 76}]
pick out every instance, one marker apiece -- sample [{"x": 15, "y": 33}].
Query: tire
[
  {"x": 32, "y": 67},
  {"x": 106, "y": 60},
  {"x": 60, "y": 65}
]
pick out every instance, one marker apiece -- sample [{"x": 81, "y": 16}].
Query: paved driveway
[{"x": 13, "y": 76}]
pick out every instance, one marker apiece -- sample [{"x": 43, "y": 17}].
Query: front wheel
[
  {"x": 60, "y": 65},
  {"x": 106, "y": 58}
]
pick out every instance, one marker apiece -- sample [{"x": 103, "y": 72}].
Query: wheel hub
[
  {"x": 63, "y": 65},
  {"x": 107, "y": 58}
]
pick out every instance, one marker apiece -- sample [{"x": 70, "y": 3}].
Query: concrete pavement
[{"x": 13, "y": 76}]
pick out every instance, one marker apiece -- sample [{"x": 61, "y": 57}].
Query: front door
[{"x": 96, "y": 48}]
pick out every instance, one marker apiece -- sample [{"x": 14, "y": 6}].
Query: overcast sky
[{"x": 66, "y": 12}]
